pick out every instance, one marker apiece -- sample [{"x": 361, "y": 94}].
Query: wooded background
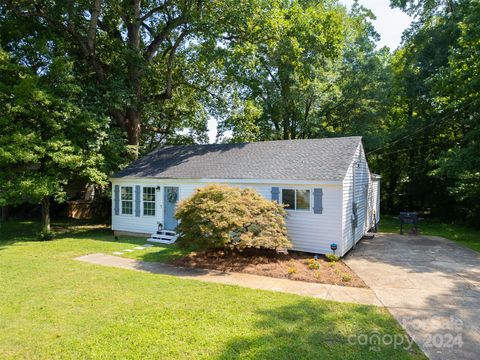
[{"x": 88, "y": 86}]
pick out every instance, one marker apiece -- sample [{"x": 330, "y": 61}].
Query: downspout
[
  {"x": 354, "y": 218},
  {"x": 353, "y": 182}
]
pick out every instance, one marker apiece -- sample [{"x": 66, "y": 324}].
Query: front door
[{"x": 170, "y": 201}]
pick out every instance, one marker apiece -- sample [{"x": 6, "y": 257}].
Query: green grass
[
  {"x": 52, "y": 306},
  {"x": 466, "y": 236}
]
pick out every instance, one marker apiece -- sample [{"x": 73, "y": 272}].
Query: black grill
[{"x": 409, "y": 218}]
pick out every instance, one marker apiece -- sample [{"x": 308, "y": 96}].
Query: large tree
[
  {"x": 428, "y": 159},
  {"x": 48, "y": 136},
  {"x": 457, "y": 88},
  {"x": 313, "y": 71},
  {"x": 142, "y": 60},
  {"x": 284, "y": 69}
]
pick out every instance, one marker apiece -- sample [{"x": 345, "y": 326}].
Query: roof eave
[{"x": 243, "y": 180}]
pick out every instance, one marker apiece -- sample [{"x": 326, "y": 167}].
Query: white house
[{"x": 326, "y": 183}]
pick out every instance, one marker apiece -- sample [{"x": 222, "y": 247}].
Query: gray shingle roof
[{"x": 313, "y": 159}]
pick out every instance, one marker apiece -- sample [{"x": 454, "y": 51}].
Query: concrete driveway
[{"x": 432, "y": 287}]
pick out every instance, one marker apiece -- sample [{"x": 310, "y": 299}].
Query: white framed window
[
  {"x": 149, "y": 201},
  {"x": 127, "y": 200},
  {"x": 296, "y": 199}
]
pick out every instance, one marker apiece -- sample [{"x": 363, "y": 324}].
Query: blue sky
[{"x": 390, "y": 24}]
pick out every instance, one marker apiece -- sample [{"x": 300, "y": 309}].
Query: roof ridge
[{"x": 359, "y": 137}]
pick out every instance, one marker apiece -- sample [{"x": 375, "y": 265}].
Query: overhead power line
[{"x": 410, "y": 135}]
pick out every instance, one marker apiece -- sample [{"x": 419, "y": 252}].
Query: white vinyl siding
[
  {"x": 376, "y": 199},
  {"x": 358, "y": 195},
  {"x": 373, "y": 216},
  {"x": 307, "y": 231},
  {"x": 146, "y": 224}
]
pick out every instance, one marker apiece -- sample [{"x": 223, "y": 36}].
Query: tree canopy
[
  {"x": 87, "y": 86},
  {"x": 47, "y": 137}
]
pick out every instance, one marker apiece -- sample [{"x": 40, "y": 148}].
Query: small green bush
[
  {"x": 220, "y": 216},
  {"x": 292, "y": 270},
  {"x": 313, "y": 264},
  {"x": 346, "y": 277},
  {"x": 45, "y": 235},
  {"x": 332, "y": 258}
]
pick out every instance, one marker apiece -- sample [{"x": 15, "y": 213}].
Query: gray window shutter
[
  {"x": 317, "y": 201},
  {"x": 276, "y": 194},
  {"x": 137, "y": 200},
  {"x": 116, "y": 199}
]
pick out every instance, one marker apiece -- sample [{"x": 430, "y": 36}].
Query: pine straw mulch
[{"x": 293, "y": 265}]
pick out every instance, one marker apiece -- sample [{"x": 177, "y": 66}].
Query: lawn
[
  {"x": 52, "y": 306},
  {"x": 466, "y": 236}
]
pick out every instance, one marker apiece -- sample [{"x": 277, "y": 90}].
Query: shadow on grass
[
  {"x": 15, "y": 231},
  {"x": 12, "y": 232},
  {"x": 165, "y": 253},
  {"x": 308, "y": 331}
]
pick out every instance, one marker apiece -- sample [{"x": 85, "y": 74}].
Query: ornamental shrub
[
  {"x": 313, "y": 264},
  {"x": 220, "y": 216},
  {"x": 332, "y": 258}
]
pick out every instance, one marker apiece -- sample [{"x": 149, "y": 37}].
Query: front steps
[{"x": 163, "y": 237}]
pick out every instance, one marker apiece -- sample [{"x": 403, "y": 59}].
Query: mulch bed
[{"x": 294, "y": 265}]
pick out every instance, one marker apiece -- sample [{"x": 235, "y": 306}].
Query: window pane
[
  {"x": 148, "y": 194},
  {"x": 303, "y": 199},
  {"x": 149, "y": 201},
  {"x": 127, "y": 193},
  {"x": 288, "y": 198},
  {"x": 149, "y": 208},
  {"x": 127, "y": 207}
]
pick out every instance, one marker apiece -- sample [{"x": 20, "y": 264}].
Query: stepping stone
[
  {"x": 128, "y": 250},
  {"x": 139, "y": 248},
  {"x": 147, "y": 245},
  {"x": 117, "y": 253}
]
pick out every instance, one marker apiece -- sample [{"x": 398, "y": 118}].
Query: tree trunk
[
  {"x": 134, "y": 131},
  {"x": 293, "y": 129},
  {"x": 391, "y": 193},
  {"x": 4, "y": 213},
  {"x": 134, "y": 70},
  {"x": 46, "y": 213},
  {"x": 286, "y": 127},
  {"x": 130, "y": 121}
]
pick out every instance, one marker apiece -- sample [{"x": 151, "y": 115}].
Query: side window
[
  {"x": 288, "y": 199},
  {"x": 296, "y": 199},
  {"x": 149, "y": 201},
  {"x": 302, "y": 199},
  {"x": 127, "y": 200}
]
